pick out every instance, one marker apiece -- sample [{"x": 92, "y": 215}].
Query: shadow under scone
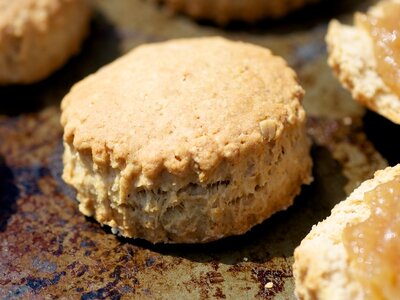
[{"x": 383, "y": 134}]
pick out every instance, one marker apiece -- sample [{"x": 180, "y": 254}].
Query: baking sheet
[{"x": 49, "y": 250}]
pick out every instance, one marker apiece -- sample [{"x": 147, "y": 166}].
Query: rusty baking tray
[{"x": 49, "y": 250}]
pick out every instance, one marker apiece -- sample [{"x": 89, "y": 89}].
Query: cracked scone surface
[
  {"x": 186, "y": 141},
  {"x": 352, "y": 58},
  {"x": 321, "y": 267},
  {"x": 39, "y": 36},
  {"x": 222, "y": 11}
]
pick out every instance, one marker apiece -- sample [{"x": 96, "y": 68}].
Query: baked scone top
[
  {"x": 182, "y": 106},
  {"x": 17, "y": 14}
]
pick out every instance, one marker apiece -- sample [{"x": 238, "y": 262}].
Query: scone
[
  {"x": 362, "y": 63},
  {"x": 354, "y": 253},
  {"x": 222, "y": 11},
  {"x": 186, "y": 141},
  {"x": 38, "y": 36}
]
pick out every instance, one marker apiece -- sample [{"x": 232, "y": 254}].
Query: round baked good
[
  {"x": 186, "y": 141},
  {"x": 223, "y": 11},
  {"x": 323, "y": 268},
  {"x": 353, "y": 60},
  {"x": 38, "y": 36}
]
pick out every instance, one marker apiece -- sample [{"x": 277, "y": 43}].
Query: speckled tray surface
[{"x": 49, "y": 250}]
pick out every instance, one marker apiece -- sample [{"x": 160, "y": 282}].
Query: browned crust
[
  {"x": 120, "y": 115},
  {"x": 222, "y": 11}
]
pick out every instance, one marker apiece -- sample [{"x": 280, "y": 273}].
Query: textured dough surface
[
  {"x": 222, "y": 11},
  {"x": 352, "y": 58},
  {"x": 321, "y": 262},
  {"x": 38, "y": 36},
  {"x": 186, "y": 140}
]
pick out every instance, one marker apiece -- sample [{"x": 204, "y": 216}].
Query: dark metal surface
[{"x": 49, "y": 250}]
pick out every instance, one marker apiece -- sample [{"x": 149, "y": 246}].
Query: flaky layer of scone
[
  {"x": 230, "y": 203},
  {"x": 39, "y": 36},
  {"x": 321, "y": 261},
  {"x": 352, "y": 58},
  {"x": 186, "y": 140},
  {"x": 222, "y": 11}
]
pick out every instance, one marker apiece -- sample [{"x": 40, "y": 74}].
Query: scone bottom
[{"x": 220, "y": 157}]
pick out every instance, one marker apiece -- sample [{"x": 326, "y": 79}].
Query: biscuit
[
  {"x": 321, "y": 261},
  {"x": 222, "y": 11},
  {"x": 186, "y": 141},
  {"x": 38, "y": 36},
  {"x": 351, "y": 56}
]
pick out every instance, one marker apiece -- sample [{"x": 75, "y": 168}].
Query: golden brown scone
[
  {"x": 321, "y": 267},
  {"x": 223, "y": 11},
  {"x": 186, "y": 141},
  {"x": 38, "y": 36},
  {"x": 351, "y": 56}
]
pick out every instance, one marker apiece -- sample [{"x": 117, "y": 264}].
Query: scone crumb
[
  {"x": 269, "y": 285},
  {"x": 347, "y": 121},
  {"x": 115, "y": 230},
  {"x": 268, "y": 129}
]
